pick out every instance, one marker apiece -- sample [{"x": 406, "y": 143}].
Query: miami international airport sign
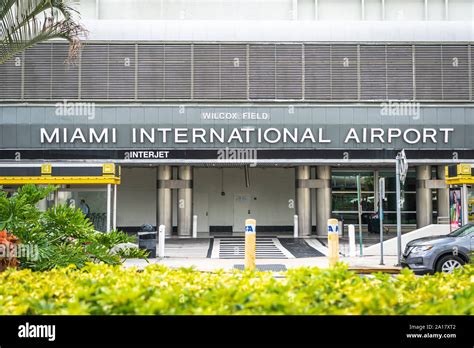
[
  {"x": 242, "y": 135},
  {"x": 163, "y": 133}
]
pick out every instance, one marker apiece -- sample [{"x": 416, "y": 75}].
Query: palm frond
[{"x": 24, "y": 23}]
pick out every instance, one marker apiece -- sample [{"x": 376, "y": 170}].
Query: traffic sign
[{"x": 402, "y": 165}]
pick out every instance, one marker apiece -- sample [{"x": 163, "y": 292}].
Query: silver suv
[{"x": 441, "y": 253}]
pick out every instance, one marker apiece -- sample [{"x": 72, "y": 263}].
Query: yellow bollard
[
  {"x": 250, "y": 243},
  {"x": 333, "y": 241}
]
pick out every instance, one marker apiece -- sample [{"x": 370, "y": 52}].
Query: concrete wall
[
  {"x": 136, "y": 197},
  {"x": 270, "y": 191},
  {"x": 269, "y": 195}
]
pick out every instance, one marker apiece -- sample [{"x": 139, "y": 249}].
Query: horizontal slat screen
[
  {"x": 151, "y": 72},
  {"x": 65, "y": 79},
  {"x": 428, "y": 72},
  {"x": 38, "y": 72},
  {"x": 10, "y": 78},
  {"x": 95, "y": 72},
  {"x": 373, "y": 72},
  {"x": 400, "y": 72},
  {"x": 226, "y": 71},
  {"x": 177, "y": 71},
  {"x": 289, "y": 72},
  {"x": 206, "y": 72},
  {"x": 317, "y": 72},
  {"x": 455, "y": 72},
  {"x": 121, "y": 82},
  {"x": 233, "y": 73},
  {"x": 344, "y": 72},
  {"x": 262, "y": 67}
]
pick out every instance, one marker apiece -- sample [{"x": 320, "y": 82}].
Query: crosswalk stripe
[{"x": 234, "y": 248}]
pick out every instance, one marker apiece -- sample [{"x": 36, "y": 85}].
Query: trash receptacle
[
  {"x": 147, "y": 239},
  {"x": 373, "y": 225}
]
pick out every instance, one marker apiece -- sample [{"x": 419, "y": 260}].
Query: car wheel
[{"x": 448, "y": 263}]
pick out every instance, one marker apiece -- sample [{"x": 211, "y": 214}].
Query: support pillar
[
  {"x": 323, "y": 199},
  {"x": 164, "y": 200},
  {"x": 303, "y": 201},
  {"x": 424, "y": 204},
  {"x": 443, "y": 194},
  {"x": 185, "y": 201}
]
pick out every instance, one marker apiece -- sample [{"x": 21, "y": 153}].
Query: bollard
[
  {"x": 195, "y": 226},
  {"x": 352, "y": 242},
  {"x": 161, "y": 241},
  {"x": 333, "y": 241},
  {"x": 250, "y": 243},
  {"x": 295, "y": 226}
]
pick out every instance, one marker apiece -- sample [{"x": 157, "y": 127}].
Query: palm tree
[{"x": 24, "y": 23}]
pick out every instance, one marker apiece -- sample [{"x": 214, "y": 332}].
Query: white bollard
[
  {"x": 352, "y": 242},
  {"x": 161, "y": 241},
  {"x": 295, "y": 226},
  {"x": 195, "y": 226}
]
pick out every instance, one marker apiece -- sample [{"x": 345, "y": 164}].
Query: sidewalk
[
  {"x": 207, "y": 264},
  {"x": 197, "y": 253}
]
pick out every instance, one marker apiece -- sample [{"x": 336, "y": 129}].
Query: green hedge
[{"x": 103, "y": 289}]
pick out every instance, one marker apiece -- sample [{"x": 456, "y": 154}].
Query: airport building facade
[{"x": 272, "y": 117}]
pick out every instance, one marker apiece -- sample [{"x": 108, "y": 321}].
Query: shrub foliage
[
  {"x": 60, "y": 236},
  {"x": 102, "y": 289}
]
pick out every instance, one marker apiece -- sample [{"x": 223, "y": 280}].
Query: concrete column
[
  {"x": 303, "y": 201},
  {"x": 185, "y": 202},
  {"x": 164, "y": 203},
  {"x": 323, "y": 199},
  {"x": 424, "y": 203},
  {"x": 443, "y": 194}
]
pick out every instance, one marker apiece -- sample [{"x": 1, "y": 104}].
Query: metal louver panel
[
  {"x": 10, "y": 78},
  {"x": 206, "y": 72},
  {"x": 373, "y": 74},
  {"x": 151, "y": 71},
  {"x": 289, "y": 72},
  {"x": 94, "y": 73},
  {"x": 472, "y": 72},
  {"x": 121, "y": 71},
  {"x": 317, "y": 71},
  {"x": 233, "y": 73},
  {"x": 65, "y": 76},
  {"x": 399, "y": 72},
  {"x": 38, "y": 72},
  {"x": 262, "y": 71},
  {"x": 344, "y": 72},
  {"x": 455, "y": 72},
  {"x": 428, "y": 72},
  {"x": 239, "y": 71},
  {"x": 178, "y": 71}
]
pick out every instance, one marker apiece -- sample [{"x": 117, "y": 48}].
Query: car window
[{"x": 463, "y": 231}]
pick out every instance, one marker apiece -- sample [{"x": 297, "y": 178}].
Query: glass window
[
  {"x": 92, "y": 201},
  {"x": 470, "y": 204},
  {"x": 463, "y": 231},
  {"x": 409, "y": 201},
  {"x": 347, "y": 181},
  {"x": 407, "y": 218},
  {"x": 348, "y": 201},
  {"x": 390, "y": 184},
  {"x": 404, "y": 10}
]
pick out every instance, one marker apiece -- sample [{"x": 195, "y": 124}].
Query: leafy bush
[
  {"x": 59, "y": 236},
  {"x": 102, "y": 289}
]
